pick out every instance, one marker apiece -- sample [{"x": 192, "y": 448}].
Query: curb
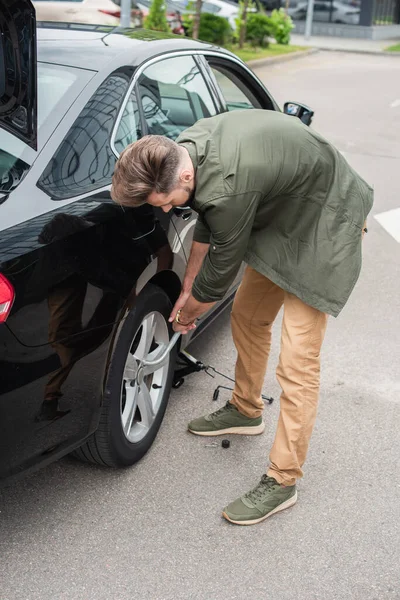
[
  {"x": 268, "y": 60},
  {"x": 361, "y": 51}
]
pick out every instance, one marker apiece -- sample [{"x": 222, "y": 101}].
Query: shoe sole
[
  {"x": 287, "y": 504},
  {"x": 254, "y": 430}
]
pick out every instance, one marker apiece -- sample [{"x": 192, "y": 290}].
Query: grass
[
  {"x": 395, "y": 48},
  {"x": 249, "y": 53}
]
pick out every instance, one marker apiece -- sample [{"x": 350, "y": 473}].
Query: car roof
[{"x": 93, "y": 46}]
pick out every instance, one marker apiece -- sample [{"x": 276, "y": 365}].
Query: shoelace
[
  {"x": 256, "y": 494},
  {"x": 228, "y": 407}
]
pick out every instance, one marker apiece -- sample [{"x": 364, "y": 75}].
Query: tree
[
  {"x": 196, "y": 19},
  {"x": 243, "y": 19},
  {"x": 157, "y": 17}
]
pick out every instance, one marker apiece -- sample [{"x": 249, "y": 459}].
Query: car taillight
[
  {"x": 7, "y": 296},
  {"x": 112, "y": 13}
]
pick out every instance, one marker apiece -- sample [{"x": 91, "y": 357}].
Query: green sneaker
[
  {"x": 226, "y": 420},
  {"x": 266, "y": 499}
]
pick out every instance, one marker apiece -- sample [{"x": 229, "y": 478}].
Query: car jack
[{"x": 187, "y": 365}]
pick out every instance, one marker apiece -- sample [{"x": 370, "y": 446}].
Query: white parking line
[
  {"x": 395, "y": 103},
  {"x": 390, "y": 220}
]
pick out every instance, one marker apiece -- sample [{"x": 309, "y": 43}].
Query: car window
[
  {"x": 129, "y": 128},
  {"x": 174, "y": 96},
  {"x": 84, "y": 160},
  {"x": 57, "y": 87},
  {"x": 237, "y": 96}
]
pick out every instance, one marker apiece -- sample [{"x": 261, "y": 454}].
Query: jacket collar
[{"x": 191, "y": 148}]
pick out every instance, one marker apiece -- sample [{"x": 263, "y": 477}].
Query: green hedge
[
  {"x": 157, "y": 17},
  {"x": 281, "y": 25},
  {"x": 213, "y": 29},
  {"x": 258, "y": 29}
]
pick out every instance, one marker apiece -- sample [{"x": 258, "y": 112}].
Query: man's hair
[{"x": 149, "y": 165}]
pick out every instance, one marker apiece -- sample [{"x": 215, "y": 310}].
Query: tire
[{"x": 117, "y": 443}]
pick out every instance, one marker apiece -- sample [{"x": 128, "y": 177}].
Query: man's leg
[
  {"x": 298, "y": 373},
  {"x": 303, "y": 331},
  {"x": 256, "y": 305}
]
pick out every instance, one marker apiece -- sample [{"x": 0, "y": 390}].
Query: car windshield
[{"x": 58, "y": 87}]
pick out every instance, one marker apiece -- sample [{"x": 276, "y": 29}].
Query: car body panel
[{"x": 74, "y": 275}]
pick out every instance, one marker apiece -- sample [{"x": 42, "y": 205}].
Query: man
[{"x": 273, "y": 193}]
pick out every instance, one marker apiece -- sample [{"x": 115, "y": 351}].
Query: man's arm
[
  {"x": 196, "y": 258},
  {"x": 230, "y": 221},
  {"x": 198, "y": 252}
]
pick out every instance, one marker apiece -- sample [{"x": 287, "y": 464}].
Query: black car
[{"x": 86, "y": 287}]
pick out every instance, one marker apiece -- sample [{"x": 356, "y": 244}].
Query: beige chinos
[{"x": 257, "y": 303}]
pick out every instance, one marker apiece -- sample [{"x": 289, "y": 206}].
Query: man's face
[{"x": 178, "y": 197}]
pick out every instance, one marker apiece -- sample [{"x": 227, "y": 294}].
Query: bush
[
  {"x": 238, "y": 21},
  {"x": 157, "y": 17},
  {"x": 281, "y": 25},
  {"x": 258, "y": 29},
  {"x": 187, "y": 18},
  {"x": 213, "y": 29}
]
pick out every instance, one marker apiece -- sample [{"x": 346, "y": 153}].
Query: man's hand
[
  {"x": 180, "y": 303},
  {"x": 191, "y": 308},
  {"x": 183, "y": 329}
]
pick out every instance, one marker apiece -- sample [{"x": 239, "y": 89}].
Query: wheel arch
[{"x": 170, "y": 283}]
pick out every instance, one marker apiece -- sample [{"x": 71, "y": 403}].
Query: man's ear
[{"x": 186, "y": 176}]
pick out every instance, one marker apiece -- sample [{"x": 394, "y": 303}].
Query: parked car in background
[
  {"x": 328, "y": 12},
  {"x": 86, "y": 287},
  {"x": 94, "y": 12},
  {"x": 355, "y": 3},
  {"x": 268, "y": 5},
  {"x": 223, "y": 8},
  {"x": 102, "y": 12}
]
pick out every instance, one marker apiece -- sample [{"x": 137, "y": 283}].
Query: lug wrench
[
  {"x": 158, "y": 361},
  {"x": 195, "y": 366}
]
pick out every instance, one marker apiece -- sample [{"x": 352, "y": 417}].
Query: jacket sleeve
[
  {"x": 230, "y": 221},
  {"x": 201, "y": 231}
]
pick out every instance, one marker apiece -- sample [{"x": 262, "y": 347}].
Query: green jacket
[{"x": 275, "y": 194}]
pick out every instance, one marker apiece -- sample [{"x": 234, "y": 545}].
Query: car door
[
  {"x": 237, "y": 86},
  {"x": 18, "y": 90},
  {"x": 173, "y": 95}
]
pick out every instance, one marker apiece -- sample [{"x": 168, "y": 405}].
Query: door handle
[{"x": 184, "y": 213}]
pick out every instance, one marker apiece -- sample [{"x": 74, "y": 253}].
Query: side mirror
[{"x": 301, "y": 111}]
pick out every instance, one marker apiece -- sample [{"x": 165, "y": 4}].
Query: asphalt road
[{"x": 154, "y": 532}]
